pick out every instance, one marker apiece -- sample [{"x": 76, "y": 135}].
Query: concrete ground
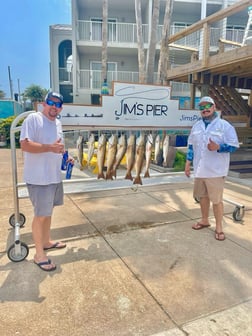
[{"x": 132, "y": 267}]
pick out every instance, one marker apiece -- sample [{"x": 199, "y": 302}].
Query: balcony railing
[
  {"x": 117, "y": 32},
  {"x": 92, "y": 80},
  {"x": 120, "y": 32}
]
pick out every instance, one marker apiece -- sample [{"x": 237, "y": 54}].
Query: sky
[{"x": 24, "y": 41}]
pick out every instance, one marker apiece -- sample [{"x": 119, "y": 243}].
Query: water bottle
[
  {"x": 64, "y": 161},
  {"x": 69, "y": 170}
]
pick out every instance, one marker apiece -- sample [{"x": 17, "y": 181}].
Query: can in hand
[
  {"x": 64, "y": 161},
  {"x": 69, "y": 170}
]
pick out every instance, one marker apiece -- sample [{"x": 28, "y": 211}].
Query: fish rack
[{"x": 19, "y": 250}]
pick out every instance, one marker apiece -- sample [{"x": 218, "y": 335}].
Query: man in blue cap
[
  {"x": 210, "y": 143},
  {"x": 41, "y": 140}
]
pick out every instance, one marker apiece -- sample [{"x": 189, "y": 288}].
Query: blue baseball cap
[{"x": 52, "y": 94}]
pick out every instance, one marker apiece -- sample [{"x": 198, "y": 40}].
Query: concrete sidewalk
[{"x": 132, "y": 267}]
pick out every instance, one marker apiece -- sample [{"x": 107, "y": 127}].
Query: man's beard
[{"x": 210, "y": 117}]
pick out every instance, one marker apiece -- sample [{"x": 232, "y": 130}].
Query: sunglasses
[
  {"x": 52, "y": 103},
  {"x": 205, "y": 107}
]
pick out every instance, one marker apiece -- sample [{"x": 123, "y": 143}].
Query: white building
[{"x": 76, "y": 49}]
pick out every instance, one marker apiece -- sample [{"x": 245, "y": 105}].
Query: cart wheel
[
  {"x": 12, "y": 221},
  {"x": 16, "y": 258},
  {"x": 238, "y": 214}
]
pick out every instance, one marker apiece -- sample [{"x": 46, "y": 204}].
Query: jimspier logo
[
  {"x": 142, "y": 103},
  {"x": 193, "y": 118}
]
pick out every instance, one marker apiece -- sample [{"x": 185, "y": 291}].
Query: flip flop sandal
[
  {"x": 220, "y": 236},
  {"x": 57, "y": 245},
  {"x": 199, "y": 226},
  {"x": 41, "y": 265}
]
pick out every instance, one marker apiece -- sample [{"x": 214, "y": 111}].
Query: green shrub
[
  {"x": 179, "y": 162},
  {"x": 5, "y": 125}
]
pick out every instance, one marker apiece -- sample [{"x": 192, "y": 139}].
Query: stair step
[
  {"x": 241, "y": 162},
  {"x": 240, "y": 174},
  {"x": 239, "y": 167}
]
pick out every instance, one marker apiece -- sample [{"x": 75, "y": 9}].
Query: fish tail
[
  {"x": 113, "y": 173},
  {"x": 137, "y": 180},
  {"x": 109, "y": 175},
  {"x": 128, "y": 176},
  {"x": 100, "y": 175}
]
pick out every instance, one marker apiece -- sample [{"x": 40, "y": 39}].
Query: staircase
[
  {"x": 241, "y": 163},
  {"x": 230, "y": 102}
]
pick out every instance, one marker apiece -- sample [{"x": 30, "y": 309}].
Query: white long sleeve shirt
[{"x": 208, "y": 163}]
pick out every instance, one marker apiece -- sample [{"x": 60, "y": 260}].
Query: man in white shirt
[
  {"x": 210, "y": 143},
  {"x": 41, "y": 140}
]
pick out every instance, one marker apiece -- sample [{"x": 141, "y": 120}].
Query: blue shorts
[{"x": 45, "y": 197}]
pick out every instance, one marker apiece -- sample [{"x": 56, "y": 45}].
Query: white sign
[{"x": 131, "y": 105}]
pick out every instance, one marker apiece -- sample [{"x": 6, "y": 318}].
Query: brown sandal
[
  {"x": 219, "y": 236},
  {"x": 199, "y": 226}
]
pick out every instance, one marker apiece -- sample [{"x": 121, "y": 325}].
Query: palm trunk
[
  {"x": 140, "y": 43},
  {"x": 104, "y": 39},
  {"x": 164, "y": 48},
  {"x": 153, "y": 41}
]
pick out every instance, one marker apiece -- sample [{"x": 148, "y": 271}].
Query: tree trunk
[
  {"x": 152, "y": 45},
  {"x": 164, "y": 47},
  {"x": 104, "y": 39},
  {"x": 140, "y": 42}
]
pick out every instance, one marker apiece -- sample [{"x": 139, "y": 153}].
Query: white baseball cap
[{"x": 206, "y": 99}]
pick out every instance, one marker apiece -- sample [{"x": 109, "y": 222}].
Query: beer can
[
  {"x": 69, "y": 170},
  {"x": 64, "y": 161}
]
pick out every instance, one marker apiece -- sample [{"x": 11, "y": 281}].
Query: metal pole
[
  {"x": 10, "y": 81},
  {"x": 19, "y": 93}
]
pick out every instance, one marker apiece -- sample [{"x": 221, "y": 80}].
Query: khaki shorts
[{"x": 212, "y": 187}]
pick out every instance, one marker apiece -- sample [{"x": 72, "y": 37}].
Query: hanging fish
[
  {"x": 130, "y": 156},
  {"x": 157, "y": 148},
  {"x": 91, "y": 146},
  {"x": 140, "y": 150},
  {"x": 121, "y": 150},
  {"x": 148, "y": 152},
  {"x": 165, "y": 150},
  {"x": 101, "y": 152},
  {"x": 111, "y": 155},
  {"x": 80, "y": 147}
]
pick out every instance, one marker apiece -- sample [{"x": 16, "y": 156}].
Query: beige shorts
[{"x": 212, "y": 187}]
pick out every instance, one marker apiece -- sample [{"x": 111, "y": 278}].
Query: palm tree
[
  {"x": 164, "y": 48},
  {"x": 104, "y": 39},
  {"x": 153, "y": 41},
  {"x": 35, "y": 93},
  {"x": 141, "y": 55}
]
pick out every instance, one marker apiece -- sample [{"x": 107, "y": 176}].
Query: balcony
[
  {"x": 91, "y": 31},
  {"x": 126, "y": 33},
  {"x": 92, "y": 80}
]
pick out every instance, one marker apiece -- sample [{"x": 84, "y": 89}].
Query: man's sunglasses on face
[
  {"x": 205, "y": 107},
  {"x": 52, "y": 103}
]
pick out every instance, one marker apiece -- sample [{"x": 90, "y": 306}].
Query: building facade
[{"x": 76, "y": 49}]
